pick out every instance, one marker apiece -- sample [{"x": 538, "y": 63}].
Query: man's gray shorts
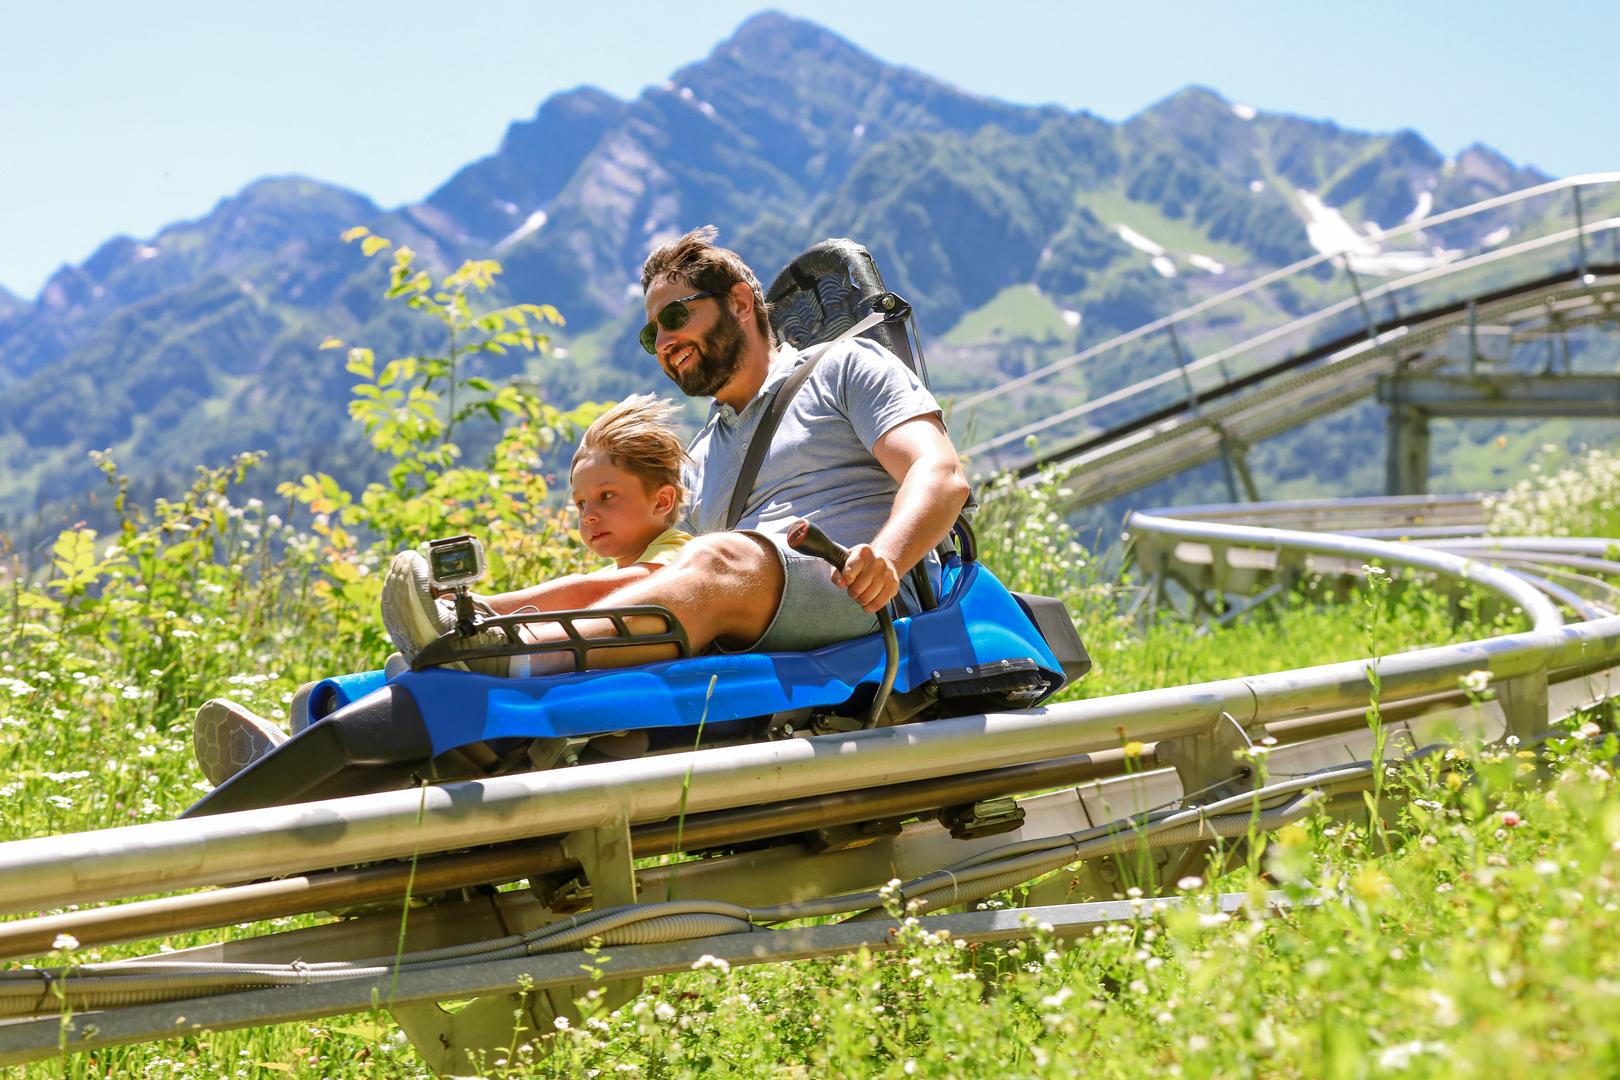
[{"x": 813, "y": 612}]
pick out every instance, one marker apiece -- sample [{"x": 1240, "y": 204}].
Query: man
[{"x": 861, "y": 452}]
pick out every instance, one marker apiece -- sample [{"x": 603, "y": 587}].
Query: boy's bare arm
[{"x": 568, "y": 593}]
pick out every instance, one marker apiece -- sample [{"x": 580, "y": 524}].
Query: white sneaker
[
  {"x": 228, "y": 738},
  {"x": 414, "y": 619}
]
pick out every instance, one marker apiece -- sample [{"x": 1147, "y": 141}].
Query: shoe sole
[
  {"x": 413, "y": 627},
  {"x": 410, "y": 627},
  {"x": 227, "y": 739}
]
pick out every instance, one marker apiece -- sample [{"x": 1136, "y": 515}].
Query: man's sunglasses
[{"x": 672, "y": 316}]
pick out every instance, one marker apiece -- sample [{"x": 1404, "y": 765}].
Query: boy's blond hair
[{"x": 638, "y": 435}]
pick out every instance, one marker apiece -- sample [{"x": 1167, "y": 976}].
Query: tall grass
[{"x": 1484, "y": 934}]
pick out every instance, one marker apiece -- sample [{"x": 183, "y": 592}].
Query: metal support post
[
  {"x": 1580, "y": 233},
  {"x": 1192, "y": 408},
  {"x": 1181, "y": 362},
  {"x": 1227, "y": 472},
  {"x": 1236, "y": 456},
  {"x": 1361, "y": 299},
  {"x": 1213, "y": 765},
  {"x": 1473, "y": 335},
  {"x": 604, "y": 855},
  {"x": 1406, "y": 454},
  {"x": 1524, "y": 706},
  {"x": 468, "y": 1041}
]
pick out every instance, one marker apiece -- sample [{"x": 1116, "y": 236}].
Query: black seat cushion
[{"x": 828, "y": 289}]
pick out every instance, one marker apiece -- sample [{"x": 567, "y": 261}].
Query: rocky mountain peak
[
  {"x": 767, "y": 41},
  {"x": 497, "y": 196},
  {"x": 1481, "y": 163}
]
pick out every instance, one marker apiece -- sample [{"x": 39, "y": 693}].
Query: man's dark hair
[{"x": 695, "y": 257}]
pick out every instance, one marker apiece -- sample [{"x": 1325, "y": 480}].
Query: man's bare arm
[
  {"x": 933, "y": 490},
  {"x": 568, "y": 593}
]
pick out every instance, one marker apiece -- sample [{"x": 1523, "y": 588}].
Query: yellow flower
[
  {"x": 1293, "y": 835},
  {"x": 1370, "y": 883}
]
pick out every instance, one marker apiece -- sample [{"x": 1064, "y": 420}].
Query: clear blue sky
[{"x": 120, "y": 117}]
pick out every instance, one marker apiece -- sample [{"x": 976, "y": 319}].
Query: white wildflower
[
  {"x": 1400, "y": 1055},
  {"x": 707, "y": 961}
]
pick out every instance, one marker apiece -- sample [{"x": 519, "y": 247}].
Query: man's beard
[{"x": 719, "y": 356}]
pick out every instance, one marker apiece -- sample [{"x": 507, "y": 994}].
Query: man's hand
[{"x": 870, "y": 579}]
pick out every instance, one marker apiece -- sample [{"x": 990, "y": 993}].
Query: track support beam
[
  {"x": 1211, "y": 765},
  {"x": 465, "y": 1041}
]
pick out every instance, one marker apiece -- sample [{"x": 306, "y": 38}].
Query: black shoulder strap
[{"x": 780, "y": 401}]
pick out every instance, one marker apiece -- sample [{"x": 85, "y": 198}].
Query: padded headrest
[{"x": 827, "y": 290}]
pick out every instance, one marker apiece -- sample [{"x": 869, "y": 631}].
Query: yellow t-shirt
[{"x": 664, "y": 547}]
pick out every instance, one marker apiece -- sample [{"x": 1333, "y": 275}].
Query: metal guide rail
[{"x": 801, "y": 829}]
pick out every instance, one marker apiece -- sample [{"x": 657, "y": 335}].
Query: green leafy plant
[{"x": 411, "y": 407}]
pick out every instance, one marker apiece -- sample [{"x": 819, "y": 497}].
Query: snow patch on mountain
[
  {"x": 1165, "y": 265},
  {"x": 1138, "y": 241},
  {"x": 1425, "y": 204},
  {"x": 531, "y": 225},
  {"x": 1331, "y": 234},
  {"x": 1244, "y": 112}
]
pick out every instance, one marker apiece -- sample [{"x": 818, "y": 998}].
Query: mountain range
[{"x": 1018, "y": 232}]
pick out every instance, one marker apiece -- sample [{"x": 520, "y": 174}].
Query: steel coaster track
[
  {"x": 1177, "y": 417},
  {"x": 1302, "y": 387},
  {"x": 516, "y": 827}
]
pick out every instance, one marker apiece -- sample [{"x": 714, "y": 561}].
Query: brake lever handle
[
  {"x": 805, "y": 537},
  {"x": 808, "y": 538}
]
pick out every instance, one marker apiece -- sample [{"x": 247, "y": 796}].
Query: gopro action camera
[{"x": 457, "y": 562}]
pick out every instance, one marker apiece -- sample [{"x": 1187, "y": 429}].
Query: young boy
[
  {"x": 626, "y": 478},
  {"x": 627, "y": 493}
]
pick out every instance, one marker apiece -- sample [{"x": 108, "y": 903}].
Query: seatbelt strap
[{"x": 780, "y": 400}]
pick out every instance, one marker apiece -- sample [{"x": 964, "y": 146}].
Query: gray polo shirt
[{"x": 820, "y": 464}]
